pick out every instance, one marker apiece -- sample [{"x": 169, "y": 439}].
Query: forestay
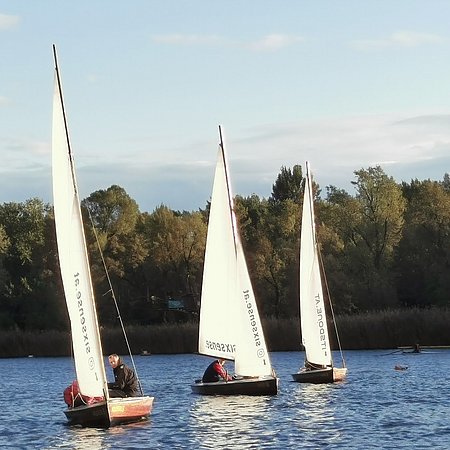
[
  {"x": 312, "y": 308},
  {"x": 73, "y": 258}
]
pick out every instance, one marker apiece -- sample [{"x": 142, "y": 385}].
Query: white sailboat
[
  {"x": 230, "y": 326},
  {"x": 76, "y": 278},
  {"x": 319, "y": 366}
]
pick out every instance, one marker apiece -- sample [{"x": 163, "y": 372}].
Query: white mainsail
[
  {"x": 217, "y": 311},
  {"x": 73, "y": 257},
  {"x": 230, "y": 326},
  {"x": 312, "y": 309}
]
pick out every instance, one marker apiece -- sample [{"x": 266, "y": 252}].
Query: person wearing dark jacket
[
  {"x": 125, "y": 381},
  {"x": 215, "y": 372}
]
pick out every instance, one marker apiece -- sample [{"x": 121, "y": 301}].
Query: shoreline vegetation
[{"x": 385, "y": 329}]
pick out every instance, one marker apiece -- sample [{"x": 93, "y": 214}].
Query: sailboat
[
  {"x": 98, "y": 409},
  {"x": 319, "y": 367},
  {"x": 230, "y": 327}
]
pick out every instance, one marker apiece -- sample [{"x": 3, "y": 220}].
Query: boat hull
[
  {"x": 110, "y": 413},
  {"x": 328, "y": 375},
  {"x": 241, "y": 386}
]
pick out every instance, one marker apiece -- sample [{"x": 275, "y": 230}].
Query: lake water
[{"x": 377, "y": 407}]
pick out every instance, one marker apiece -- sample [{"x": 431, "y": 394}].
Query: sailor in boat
[
  {"x": 311, "y": 366},
  {"x": 216, "y": 372},
  {"x": 125, "y": 380}
]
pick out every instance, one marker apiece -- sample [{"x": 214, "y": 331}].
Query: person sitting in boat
[
  {"x": 125, "y": 381},
  {"x": 311, "y": 366},
  {"x": 216, "y": 372}
]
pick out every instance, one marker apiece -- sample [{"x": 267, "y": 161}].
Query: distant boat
[
  {"x": 230, "y": 327},
  {"x": 319, "y": 367},
  {"x": 96, "y": 408},
  {"x": 414, "y": 349}
]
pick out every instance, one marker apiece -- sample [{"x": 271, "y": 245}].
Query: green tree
[
  {"x": 174, "y": 267},
  {"x": 115, "y": 217},
  {"x": 271, "y": 231},
  {"x": 424, "y": 252},
  {"x": 27, "y": 294},
  {"x": 374, "y": 225},
  {"x": 288, "y": 185}
]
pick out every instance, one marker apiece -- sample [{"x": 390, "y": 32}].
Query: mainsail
[
  {"x": 217, "y": 311},
  {"x": 230, "y": 326},
  {"x": 312, "y": 308},
  {"x": 73, "y": 257}
]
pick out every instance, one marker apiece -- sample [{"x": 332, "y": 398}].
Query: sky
[{"x": 343, "y": 84}]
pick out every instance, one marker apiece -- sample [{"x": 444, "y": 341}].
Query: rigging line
[
  {"x": 331, "y": 305},
  {"x": 113, "y": 295}
]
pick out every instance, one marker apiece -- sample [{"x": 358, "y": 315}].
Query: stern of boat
[
  {"x": 339, "y": 374},
  {"x": 129, "y": 409}
]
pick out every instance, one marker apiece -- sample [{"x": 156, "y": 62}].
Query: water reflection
[
  {"x": 79, "y": 438},
  {"x": 235, "y": 421},
  {"x": 316, "y": 417},
  {"x": 376, "y": 406}
]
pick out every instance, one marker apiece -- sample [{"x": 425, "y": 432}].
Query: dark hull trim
[
  {"x": 244, "y": 386},
  {"x": 113, "y": 412}
]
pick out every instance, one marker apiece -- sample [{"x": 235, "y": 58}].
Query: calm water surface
[{"x": 377, "y": 407}]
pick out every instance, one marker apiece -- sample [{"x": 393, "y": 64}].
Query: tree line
[{"x": 384, "y": 247}]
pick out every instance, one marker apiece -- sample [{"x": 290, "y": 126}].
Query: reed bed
[
  {"x": 16, "y": 343},
  {"x": 368, "y": 330},
  {"x": 395, "y": 328}
]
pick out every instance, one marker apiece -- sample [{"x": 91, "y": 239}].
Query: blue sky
[{"x": 343, "y": 84}]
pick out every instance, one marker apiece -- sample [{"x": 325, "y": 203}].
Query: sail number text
[
  {"x": 321, "y": 324},
  {"x": 253, "y": 322},
  {"x": 78, "y": 294},
  {"x": 218, "y": 346}
]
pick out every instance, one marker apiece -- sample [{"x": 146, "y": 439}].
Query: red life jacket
[{"x": 73, "y": 396}]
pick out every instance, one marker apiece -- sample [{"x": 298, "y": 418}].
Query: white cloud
[
  {"x": 180, "y": 175},
  {"x": 274, "y": 42},
  {"x": 7, "y": 22},
  {"x": 399, "y": 39},
  {"x": 405, "y": 147}
]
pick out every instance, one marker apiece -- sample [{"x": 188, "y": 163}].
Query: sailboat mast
[
  {"x": 227, "y": 180},
  {"x": 311, "y": 202},
  {"x": 66, "y": 127}
]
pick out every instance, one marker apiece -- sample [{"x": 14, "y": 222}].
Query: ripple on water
[{"x": 376, "y": 407}]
